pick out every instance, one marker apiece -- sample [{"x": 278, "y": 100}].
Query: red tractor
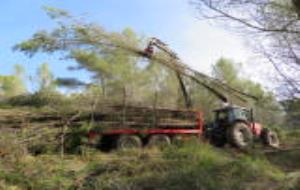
[{"x": 236, "y": 126}]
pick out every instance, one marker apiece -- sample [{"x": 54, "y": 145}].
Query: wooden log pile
[
  {"x": 31, "y": 124},
  {"x": 28, "y": 127},
  {"x": 108, "y": 116}
]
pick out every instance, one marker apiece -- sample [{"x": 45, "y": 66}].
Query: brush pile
[{"x": 105, "y": 116}]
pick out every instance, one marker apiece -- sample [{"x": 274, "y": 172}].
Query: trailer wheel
[
  {"x": 159, "y": 141},
  {"x": 129, "y": 142},
  {"x": 270, "y": 138},
  {"x": 240, "y": 136}
]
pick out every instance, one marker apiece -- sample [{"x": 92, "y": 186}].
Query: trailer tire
[
  {"x": 159, "y": 141},
  {"x": 270, "y": 138},
  {"x": 240, "y": 136},
  {"x": 125, "y": 142}
]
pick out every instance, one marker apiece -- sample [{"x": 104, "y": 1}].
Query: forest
[{"x": 45, "y": 120}]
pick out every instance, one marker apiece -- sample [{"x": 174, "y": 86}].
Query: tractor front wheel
[
  {"x": 240, "y": 136},
  {"x": 270, "y": 138}
]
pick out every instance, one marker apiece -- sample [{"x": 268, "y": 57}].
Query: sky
[{"x": 198, "y": 42}]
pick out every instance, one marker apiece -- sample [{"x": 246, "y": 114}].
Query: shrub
[{"x": 38, "y": 99}]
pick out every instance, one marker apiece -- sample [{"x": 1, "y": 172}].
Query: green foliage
[
  {"x": 288, "y": 160},
  {"x": 39, "y": 173},
  {"x": 191, "y": 165},
  {"x": 204, "y": 101},
  {"x": 110, "y": 57},
  {"x": 12, "y": 85},
  {"x": 292, "y": 109},
  {"x": 55, "y": 13},
  {"x": 226, "y": 70},
  {"x": 76, "y": 138},
  {"x": 11, "y": 150},
  {"x": 215, "y": 169},
  {"x": 266, "y": 110},
  {"x": 38, "y": 99},
  {"x": 45, "y": 78},
  {"x": 272, "y": 29}
]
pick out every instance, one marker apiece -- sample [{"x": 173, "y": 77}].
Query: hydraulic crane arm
[
  {"x": 182, "y": 69},
  {"x": 154, "y": 42},
  {"x": 187, "y": 97}
]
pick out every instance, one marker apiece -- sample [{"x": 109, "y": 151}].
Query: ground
[{"x": 191, "y": 166}]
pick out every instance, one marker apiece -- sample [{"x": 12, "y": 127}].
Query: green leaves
[
  {"x": 111, "y": 58},
  {"x": 12, "y": 85},
  {"x": 225, "y": 70},
  {"x": 45, "y": 78},
  {"x": 267, "y": 109},
  {"x": 56, "y": 13}
]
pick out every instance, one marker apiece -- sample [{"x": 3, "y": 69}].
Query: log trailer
[{"x": 140, "y": 126}]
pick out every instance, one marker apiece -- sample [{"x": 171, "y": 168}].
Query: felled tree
[{"x": 111, "y": 57}]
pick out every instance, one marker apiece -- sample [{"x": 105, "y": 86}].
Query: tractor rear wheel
[
  {"x": 240, "y": 136},
  {"x": 125, "y": 142},
  {"x": 159, "y": 141},
  {"x": 270, "y": 138}
]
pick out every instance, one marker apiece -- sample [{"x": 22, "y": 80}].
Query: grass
[
  {"x": 190, "y": 166},
  {"x": 186, "y": 166},
  {"x": 293, "y": 137}
]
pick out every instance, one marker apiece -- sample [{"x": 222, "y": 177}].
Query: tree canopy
[
  {"x": 108, "y": 56},
  {"x": 13, "y": 85},
  {"x": 272, "y": 27}
]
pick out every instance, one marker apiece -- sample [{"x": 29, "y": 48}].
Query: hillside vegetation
[
  {"x": 35, "y": 156},
  {"x": 189, "y": 167},
  {"x": 193, "y": 165}
]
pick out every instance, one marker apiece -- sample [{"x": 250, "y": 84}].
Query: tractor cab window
[
  {"x": 246, "y": 114},
  {"x": 222, "y": 116},
  {"x": 243, "y": 114}
]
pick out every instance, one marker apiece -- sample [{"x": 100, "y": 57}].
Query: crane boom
[
  {"x": 182, "y": 69},
  {"x": 174, "y": 63}
]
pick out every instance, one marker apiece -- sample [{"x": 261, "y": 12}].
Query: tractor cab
[{"x": 231, "y": 114}]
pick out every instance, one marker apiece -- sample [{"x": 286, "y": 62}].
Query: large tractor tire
[
  {"x": 159, "y": 141},
  {"x": 270, "y": 138},
  {"x": 125, "y": 142},
  {"x": 240, "y": 136}
]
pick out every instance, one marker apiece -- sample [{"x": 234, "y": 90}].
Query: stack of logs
[{"x": 30, "y": 124}]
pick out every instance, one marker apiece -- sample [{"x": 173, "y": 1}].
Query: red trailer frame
[{"x": 198, "y": 130}]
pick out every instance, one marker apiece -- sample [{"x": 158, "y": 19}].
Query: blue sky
[{"x": 197, "y": 42}]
